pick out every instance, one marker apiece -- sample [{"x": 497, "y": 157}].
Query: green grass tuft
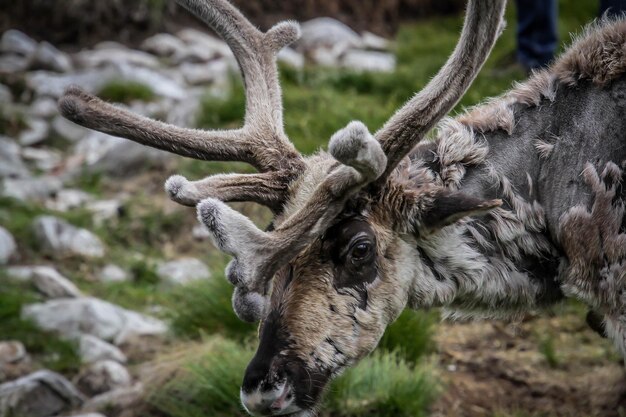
[
  {"x": 120, "y": 91},
  {"x": 411, "y": 335},
  {"x": 204, "y": 307},
  {"x": 382, "y": 385},
  {"x": 547, "y": 349}
]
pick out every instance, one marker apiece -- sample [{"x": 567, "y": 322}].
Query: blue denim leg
[
  {"x": 612, "y": 7},
  {"x": 536, "y": 32}
]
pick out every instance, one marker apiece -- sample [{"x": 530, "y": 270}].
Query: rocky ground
[
  {"x": 44, "y": 160},
  {"x": 93, "y": 255}
]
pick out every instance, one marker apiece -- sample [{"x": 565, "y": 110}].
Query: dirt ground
[{"x": 548, "y": 365}]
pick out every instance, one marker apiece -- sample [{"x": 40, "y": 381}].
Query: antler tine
[
  {"x": 258, "y": 255},
  {"x": 483, "y": 24},
  {"x": 268, "y": 188},
  {"x": 261, "y": 142}
]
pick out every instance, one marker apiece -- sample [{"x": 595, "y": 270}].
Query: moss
[{"x": 121, "y": 91}]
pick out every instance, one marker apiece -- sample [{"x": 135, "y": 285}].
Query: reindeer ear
[{"x": 450, "y": 206}]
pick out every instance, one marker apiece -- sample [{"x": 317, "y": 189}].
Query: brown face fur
[{"x": 330, "y": 306}]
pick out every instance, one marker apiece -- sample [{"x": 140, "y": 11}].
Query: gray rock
[
  {"x": 40, "y": 394},
  {"x": 112, "y": 273},
  {"x": 46, "y": 279},
  {"x": 374, "y": 42},
  {"x": 59, "y": 238},
  {"x": 52, "y": 284},
  {"x": 52, "y": 84},
  {"x": 47, "y": 56},
  {"x": 182, "y": 271},
  {"x": 103, "y": 210},
  {"x": 74, "y": 316},
  {"x": 11, "y": 164},
  {"x": 160, "y": 84},
  {"x": 117, "y": 157},
  {"x": 44, "y": 107},
  {"x": 200, "y": 232},
  {"x": 12, "y": 64},
  {"x": 44, "y": 159},
  {"x": 7, "y": 246},
  {"x": 213, "y": 46},
  {"x": 68, "y": 199},
  {"x": 163, "y": 45},
  {"x": 68, "y": 130},
  {"x": 37, "y": 132},
  {"x": 6, "y": 96},
  {"x": 326, "y": 57},
  {"x": 27, "y": 189},
  {"x": 92, "y": 349},
  {"x": 291, "y": 57},
  {"x": 12, "y": 352},
  {"x": 116, "y": 400},
  {"x": 327, "y": 32},
  {"x": 359, "y": 60},
  {"x": 16, "y": 42},
  {"x": 87, "y": 415},
  {"x": 103, "y": 376},
  {"x": 111, "y": 54},
  {"x": 216, "y": 71}
]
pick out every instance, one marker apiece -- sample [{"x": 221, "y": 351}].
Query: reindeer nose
[{"x": 271, "y": 402}]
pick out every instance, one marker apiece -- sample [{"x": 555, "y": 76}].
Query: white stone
[
  {"x": 359, "y": 60},
  {"x": 200, "y": 232},
  {"x": 214, "y": 46},
  {"x": 6, "y": 96},
  {"x": 46, "y": 279},
  {"x": 163, "y": 45},
  {"x": 44, "y": 107},
  {"x": 16, "y": 42},
  {"x": 12, "y": 64},
  {"x": 68, "y": 199},
  {"x": 103, "y": 210},
  {"x": 291, "y": 57},
  {"x": 27, "y": 189},
  {"x": 44, "y": 159},
  {"x": 160, "y": 84},
  {"x": 52, "y": 84},
  {"x": 68, "y": 130},
  {"x": 375, "y": 42},
  {"x": 115, "y": 156},
  {"x": 11, "y": 164},
  {"x": 205, "y": 73},
  {"x": 92, "y": 349},
  {"x": 12, "y": 352},
  {"x": 104, "y": 376},
  {"x": 7, "y": 246},
  {"x": 36, "y": 132},
  {"x": 74, "y": 316},
  {"x": 118, "y": 399},
  {"x": 52, "y": 284},
  {"x": 183, "y": 271},
  {"x": 105, "y": 56},
  {"x": 112, "y": 273},
  {"x": 47, "y": 56},
  {"x": 40, "y": 394},
  {"x": 327, "y": 32},
  {"x": 59, "y": 238}
]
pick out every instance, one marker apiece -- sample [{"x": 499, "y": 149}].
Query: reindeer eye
[{"x": 360, "y": 250}]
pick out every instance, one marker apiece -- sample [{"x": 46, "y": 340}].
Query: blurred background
[{"x": 112, "y": 300}]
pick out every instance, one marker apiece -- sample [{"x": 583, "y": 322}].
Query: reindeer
[{"x": 516, "y": 203}]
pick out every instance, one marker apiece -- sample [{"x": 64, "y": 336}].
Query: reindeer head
[{"x": 340, "y": 260}]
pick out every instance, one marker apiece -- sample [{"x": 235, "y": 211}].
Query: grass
[
  {"x": 48, "y": 350},
  {"x": 410, "y": 336},
  {"x": 547, "y": 349},
  {"x": 120, "y": 91},
  {"x": 205, "y": 380}
]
